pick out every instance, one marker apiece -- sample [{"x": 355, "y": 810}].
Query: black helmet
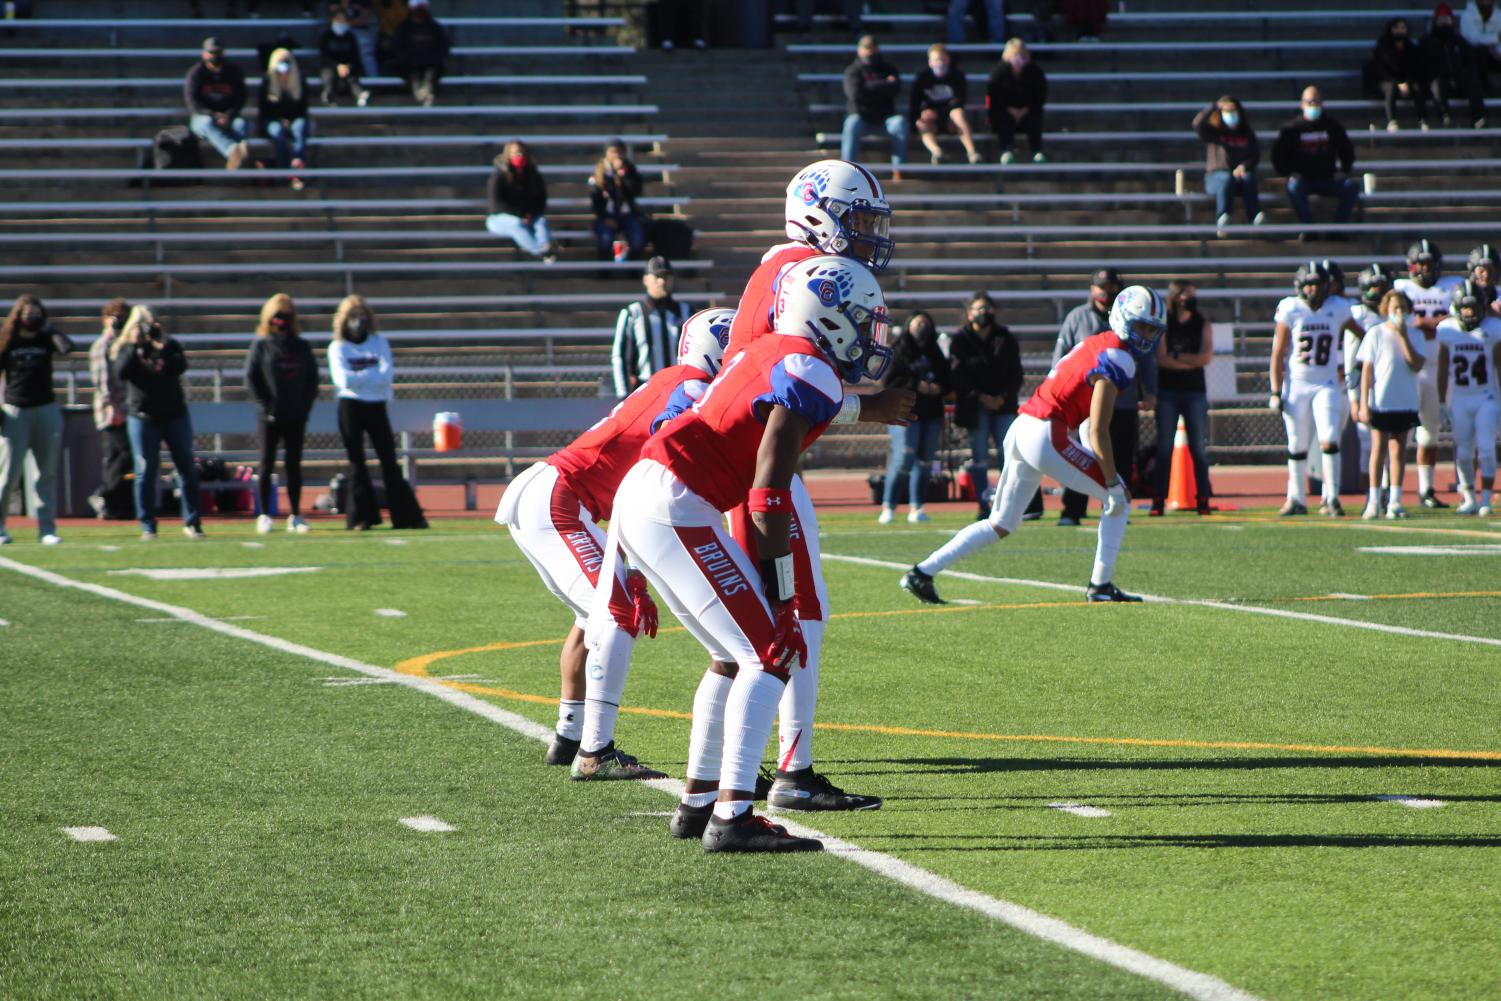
[
  {"x": 1421, "y": 253},
  {"x": 1484, "y": 254},
  {"x": 1467, "y": 294},
  {"x": 1312, "y": 273},
  {"x": 1336, "y": 273},
  {"x": 1375, "y": 280}
]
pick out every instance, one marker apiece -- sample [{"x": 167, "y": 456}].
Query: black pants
[
  {"x": 289, "y": 436},
  {"x": 337, "y": 86},
  {"x": 1006, "y": 128},
  {"x": 1466, "y": 85},
  {"x": 1124, "y": 437},
  {"x": 115, "y": 492},
  {"x": 1417, "y": 92},
  {"x": 356, "y": 420}
]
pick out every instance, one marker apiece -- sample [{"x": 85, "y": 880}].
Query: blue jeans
[
  {"x": 857, "y": 128},
  {"x": 533, "y": 237},
  {"x": 995, "y": 13},
  {"x": 1299, "y": 188},
  {"x": 146, "y": 440},
  {"x": 628, "y": 228},
  {"x": 1193, "y": 406},
  {"x": 1224, "y": 186},
  {"x": 913, "y": 449},
  {"x": 217, "y": 136},
  {"x": 289, "y": 141},
  {"x": 991, "y": 428}
]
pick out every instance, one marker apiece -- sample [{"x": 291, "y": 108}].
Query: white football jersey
[
  {"x": 1428, "y": 303},
  {"x": 1365, "y": 317},
  {"x": 1316, "y": 349},
  {"x": 1472, "y": 355}
]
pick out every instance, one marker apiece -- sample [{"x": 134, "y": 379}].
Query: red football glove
[
  {"x": 644, "y": 617},
  {"x": 787, "y": 650}
]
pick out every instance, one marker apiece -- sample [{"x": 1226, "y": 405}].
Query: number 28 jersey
[
  {"x": 1471, "y": 357},
  {"x": 1316, "y": 350}
]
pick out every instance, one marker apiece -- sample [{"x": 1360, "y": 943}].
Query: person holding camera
[
  {"x": 918, "y": 364},
  {"x": 114, "y": 498},
  {"x": 151, "y": 364},
  {"x": 31, "y": 420},
  {"x": 282, "y": 376}
]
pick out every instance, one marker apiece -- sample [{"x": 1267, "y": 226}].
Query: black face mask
[
  {"x": 33, "y": 319},
  {"x": 982, "y": 318},
  {"x": 1190, "y": 303},
  {"x": 357, "y": 329}
]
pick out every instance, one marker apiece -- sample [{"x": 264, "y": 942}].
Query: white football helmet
[
  {"x": 836, "y": 303},
  {"x": 838, "y": 207},
  {"x": 705, "y": 335},
  {"x": 1139, "y": 317}
]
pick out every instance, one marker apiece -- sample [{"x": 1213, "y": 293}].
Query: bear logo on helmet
[{"x": 828, "y": 292}]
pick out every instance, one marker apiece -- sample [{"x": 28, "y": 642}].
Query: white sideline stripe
[
  {"x": 1200, "y": 986},
  {"x": 396, "y": 542},
  {"x": 1079, "y": 809},
  {"x": 89, "y": 834},
  {"x": 1474, "y": 550},
  {"x": 1413, "y": 801},
  {"x": 1349, "y": 597},
  {"x": 427, "y": 824},
  {"x": 390, "y": 613},
  {"x": 1224, "y": 606},
  {"x": 213, "y": 573},
  {"x": 226, "y": 618},
  {"x": 965, "y": 601}
]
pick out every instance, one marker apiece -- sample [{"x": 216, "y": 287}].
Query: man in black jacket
[
  {"x": 985, "y": 371},
  {"x": 214, "y": 92},
  {"x": 1315, "y": 155},
  {"x": 871, "y": 85}
]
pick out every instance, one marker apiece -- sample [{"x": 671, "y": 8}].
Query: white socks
[
  {"x": 1394, "y": 496},
  {"x": 748, "y": 714},
  {"x": 706, "y": 738},
  {"x": 1297, "y": 482},
  {"x": 795, "y": 713},
  {"x": 611, "y": 662},
  {"x": 967, "y": 542},
  {"x": 570, "y": 719},
  {"x": 1331, "y": 475},
  {"x": 1108, "y": 545},
  {"x": 1425, "y": 480}
]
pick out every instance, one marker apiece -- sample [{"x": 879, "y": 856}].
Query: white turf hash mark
[
  {"x": 1480, "y": 550},
  {"x": 396, "y": 542},
  {"x": 1079, "y": 809},
  {"x": 426, "y": 824},
  {"x": 89, "y": 834},
  {"x": 4, "y": 623},
  {"x": 1200, "y": 986},
  {"x": 390, "y": 613},
  {"x": 253, "y": 545},
  {"x": 1413, "y": 802},
  {"x": 109, "y": 549}
]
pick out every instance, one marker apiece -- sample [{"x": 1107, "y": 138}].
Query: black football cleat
[
  {"x": 920, "y": 586},
  {"x": 1430, "y": 500},
  {"x": 751, "y": 832},
  {"x": 1108, "y": 592},
  {"x": 764, "y": 779},
  {"x": 561, "y": 750},
  {"x": 610, "y": 764},
  {"x": 805, "y": 789},
  {"x": 689, "y": 821}
]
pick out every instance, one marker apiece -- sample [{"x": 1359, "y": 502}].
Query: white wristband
[{"x": 849, "y": 410}]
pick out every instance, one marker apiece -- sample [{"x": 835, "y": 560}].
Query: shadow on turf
[
  {"x": 980, "y": 766},
  {"x": 1106, "y": 842}
]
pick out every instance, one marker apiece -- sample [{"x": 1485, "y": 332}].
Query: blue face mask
[
  {"x": 1312, "y": 111},
  {"x": 1230, "y": 118},
  {"x": 341, "y": 29}
]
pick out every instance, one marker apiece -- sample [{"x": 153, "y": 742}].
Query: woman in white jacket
[{"x": 359, "y": 360}]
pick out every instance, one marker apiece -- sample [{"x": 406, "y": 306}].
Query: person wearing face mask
[
  {"x": 113, "y": 500},
  {"x": 1079, "y": 325},
  {"x": 1014, "y": 98},
  {"x": 214, "y": 92},
  {"x": 283, "y": 112},
  {"x": 1315, "y": 154},
  {"x": 1398, "y": 72},
  {"x": 1480, "y": 24},
  {"x": 1392, "y": 354},
  {"x": 1449, "y": 66},
  {"x": 359, "y": 363},
  {"x": 919, "y": 365},
  {"x": 938, "y": 96},
  {"x": 871, "y": 86},
  {"x": 1231, "y": 156},
  {"x": 283, "y": 379},
  {"x": 985, "y": 368},
  {"x": 339, "y": 52},
  {"x": 31, "y": 420},
  {"x": 419, "y": 51},
  {"x": 1182, "y": 355},
  {"x": 518, "y": 202}
]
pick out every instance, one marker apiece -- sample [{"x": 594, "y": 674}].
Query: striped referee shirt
[{"x": 646, "y": 341}]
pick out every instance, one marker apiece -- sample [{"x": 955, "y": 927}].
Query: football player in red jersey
[
  {"x": 739, "y": 444},
  {"x": 1082, "y": 386},
  {"x": 553, "y": 509}
]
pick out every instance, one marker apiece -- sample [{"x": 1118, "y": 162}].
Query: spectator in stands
[
  {"x": 679, "y": 23},
  {"x": 1398, "y": 72},
  {"x": 1231, "y": 156},
  {"x": 113, "y": 498},
  {"x": 1392, "y": 353},
  {"x": 419, "y": 50},
  {"x": 389, "y": 14},
  {"x": 1014, "y": 97},
  {"x": 916, "y": 364},
  {"x": 985, "y": 373},
  {"x": 1315, "y": 155},
  {"x": 1449, "y": 64},
  {"x": 1125, "y": 433},
  {"x": 1183, "y": 353},
  {"x": 938, "y": 97},
  {"x": 613, "y": 189},
  {"x": 1086, "y": 17},
  {"x": 992, "y": 11},
  {"x": 1480, "y": 25},
  {"x": 647, "y": 331},
  {"x": 850, "y": 10},
  {"x": 214, "y": 91},
  {"x": 518, "y": 202},
  {"x": 31, "y": 420},
  {"x": 282, "y": 378},
  {"x": 365, "y": 28},
  {"x": 283, "y": 112},
  {"x": 359, "y": 362},
  {"x": 151, "y": 364},
  {"x": 871, "y": 85},
  {"x": 339, "y": 54}
]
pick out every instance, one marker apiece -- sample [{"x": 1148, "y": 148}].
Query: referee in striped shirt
[{"x": 647, "y": 332}]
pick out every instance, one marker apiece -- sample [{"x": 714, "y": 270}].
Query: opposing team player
[
  {"x": 1375, "y": 281},
  {"x": 1484, "y": 269},
  {"x": 739, "y": 444},
  {"x": 553, "y": 510},
  {"x": 1469, "y": 352},
  {"x": 1307, "y": 388},
  {"x": 1430, "y": 291},
  {"x": 1082, "y": 386}
]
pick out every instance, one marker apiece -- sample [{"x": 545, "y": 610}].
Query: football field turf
[{"x": 1283, "y": 777}]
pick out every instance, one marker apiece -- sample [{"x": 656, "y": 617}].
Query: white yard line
[
  {"x": 4, "y": 623},
  {"x": 390, "y": 613},
  {"x": 89, "y": 834},
  {"x": 1192, "y": 983},
  {"x": 426, "y": 824},
  {"x": 1079, "y": 809},
  {"x": 1413, "y": 802}
]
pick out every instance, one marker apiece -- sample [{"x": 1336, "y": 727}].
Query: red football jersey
[
  {"x": 712, "y": 448},
  {"x": 754, "y": 314},
  {"x": 595, "y": 462},
  {"x": 1066, "y": 393}
]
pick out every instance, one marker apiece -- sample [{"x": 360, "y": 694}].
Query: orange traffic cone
[{"x": 1182, "y": 492}]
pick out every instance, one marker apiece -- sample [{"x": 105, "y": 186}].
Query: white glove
[
  {"x": 1117, "y": 500},
  {"x": 1274, "y": 403}
]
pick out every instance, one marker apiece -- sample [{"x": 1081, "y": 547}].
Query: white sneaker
[
  {"x": 1039, "y": 158},
  {"x": 51, "y": 540},
  {"x": 1484, "y": 511},
  {"x": 1395, "y": 511},
  {"x": 148, "y": 535},
  {"x": 297, "y": 525},
  {"x": 1259, "y": 220},
  {"x": 1220, "y": 224},
  {"x": 194, "y": 532},
  {"x": 886, "y": 515},
  {"x": 1371, "y": 512},
  {"x": 4, "y": 537},
  {"x": 1008, "y": 157},
  {"x": 1468, "y": 506},
  {"x": 917, "y": 516},
  {"x": 263, "y": 525},
  {"x": 1392, "y": 126}
]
